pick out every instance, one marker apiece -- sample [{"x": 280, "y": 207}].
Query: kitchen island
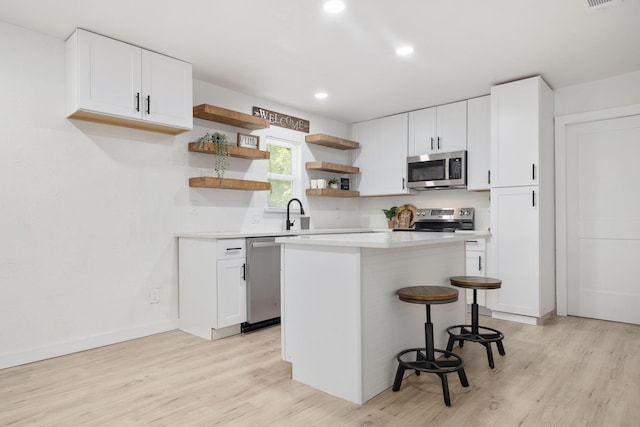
[{"x": 342, "y": 322}]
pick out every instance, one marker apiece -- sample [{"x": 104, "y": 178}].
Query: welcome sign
[{"x": 282, "y": 120}]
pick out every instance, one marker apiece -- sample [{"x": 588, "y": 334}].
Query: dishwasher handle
[{"x": 263, "y": 244}]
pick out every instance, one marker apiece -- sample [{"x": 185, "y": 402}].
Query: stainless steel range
[{"x": 443, "y": 219}]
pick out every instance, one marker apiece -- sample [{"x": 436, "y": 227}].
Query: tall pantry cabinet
[{"x": 522, "y": 247}]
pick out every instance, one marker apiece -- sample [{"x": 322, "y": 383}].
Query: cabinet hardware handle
[
  {"x": 138, "y": 101},
  {"x": 264, "y": 244},
  {"x": 403, "y": 183},
  {"x": 233, "y": 249},
  {"x": 533, "y": 198},
  {"x": 438, "y": 143},
  {"x": 533, "y": 171},
  {"x": 488, "y": 177},
  {"x": 479, "y": 263},
  {"x": 244, "y": 271},
  {"x": 148, "y": 104},
  {"x": 471, "y": 241},
  {"x": 432, "y": 143}
]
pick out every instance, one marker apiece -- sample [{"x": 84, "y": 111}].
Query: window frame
[{"x": 296, "y": 169}]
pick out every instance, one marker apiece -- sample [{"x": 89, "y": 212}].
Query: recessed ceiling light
[
  {"x": 321, "y": 95},
  {"x": 333, "y": 6},
  {"x": 404, "y": 50}
]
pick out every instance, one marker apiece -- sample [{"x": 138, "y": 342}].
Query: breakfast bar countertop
[{"x": 381, "y": 240}]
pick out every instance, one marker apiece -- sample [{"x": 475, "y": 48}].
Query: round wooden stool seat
[
  {"x": 474, "y": 332},
  {"x": 424, "y": 359},
  {"x": 475, "y": 282},
  {"x": 428, "y": 294}
]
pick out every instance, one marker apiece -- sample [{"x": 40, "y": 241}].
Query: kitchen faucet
[{"x": 290, "y": 223}]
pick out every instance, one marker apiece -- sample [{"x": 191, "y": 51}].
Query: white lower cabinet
[
  {"x": 212, "y": 287},
  {"x": 476, "y": 266},
  {"x": 232, "y": 292},
  {"x": 520, "y": 254}
]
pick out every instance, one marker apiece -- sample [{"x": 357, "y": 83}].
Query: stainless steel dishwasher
[{"x": 263, "y": 283}]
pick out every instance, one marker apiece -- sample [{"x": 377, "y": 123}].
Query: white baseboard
[
  {"x": 42, "y": 353},
  {"x": 515, "y": 318}
]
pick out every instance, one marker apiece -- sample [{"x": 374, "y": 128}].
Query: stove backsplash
[{"x": 372, "y": 216}]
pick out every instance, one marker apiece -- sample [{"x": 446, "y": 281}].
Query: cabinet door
[
  {"x": 392, "y": 155},
  {"x": 108, "y": 76},
  {"x": 478, "y": 143},
  {"x": 366, "y": 133},
  {"x": 382, "y": 157},
  {"x": 167, "y": 90},
  {"x": 232, "y": 292},
  {"x": 514, "y": 256},
  {"x": 451, "y": 127},
  {"x": 476, "y": 267},
  {"x": 515, "y": 118},
  {"x": 422, "y": 132}
]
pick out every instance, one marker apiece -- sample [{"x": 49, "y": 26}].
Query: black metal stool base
[
  {"x": 438, "y": 367},
  {"x": 479, "y": 334}
]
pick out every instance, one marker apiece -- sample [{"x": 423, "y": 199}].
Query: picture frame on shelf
[{"x": 248, "y": 141}]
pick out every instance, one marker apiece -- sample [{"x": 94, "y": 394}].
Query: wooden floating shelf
[
  {"x": 234, "y": 151},
  {"x": 229, "y": 184},
  {"x": 229, "y": 117},
  {"x": 331, "y": 141},
  {"x": 331, "y": 192},
  {"x": 332, "y": 167}
]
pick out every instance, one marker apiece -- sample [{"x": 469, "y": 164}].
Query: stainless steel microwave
[{"x": 438, "y": 170}]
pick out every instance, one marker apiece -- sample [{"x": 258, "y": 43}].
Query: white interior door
[{"x": 603, "y": 225}]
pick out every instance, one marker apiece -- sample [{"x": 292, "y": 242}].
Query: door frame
[{"x": 561, "y": 123}]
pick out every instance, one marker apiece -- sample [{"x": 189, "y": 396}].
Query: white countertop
[
  {"x": 243, "y": 234},
  {"x": 381, "y": 239}
]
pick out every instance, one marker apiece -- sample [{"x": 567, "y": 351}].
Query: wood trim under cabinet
[{"x": 126, "y": 122}]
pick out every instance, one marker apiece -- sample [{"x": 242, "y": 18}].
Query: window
[{"x": 282, "y": 172}]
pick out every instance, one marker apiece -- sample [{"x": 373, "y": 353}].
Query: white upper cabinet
[
  {"x": 382, "y": 157},
  {"x": 438, "y": 129},
  {"x": 167, "y": 87},
  {"x": 517, "y": 109},
  {"x": 113, "y": 82},
  {"x": 479, "y": 143}
]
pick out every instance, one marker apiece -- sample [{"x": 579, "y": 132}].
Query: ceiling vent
[{"x": 599, "y": 4}]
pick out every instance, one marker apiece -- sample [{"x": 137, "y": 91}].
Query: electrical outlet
[
  {"x": 255, "y": 219},
  {"x": 154, "y": 295},
  {"x": 337, "y": 213}
]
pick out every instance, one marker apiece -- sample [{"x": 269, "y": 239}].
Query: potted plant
[
  {"x": 221, "y": 142},
  {"x": 334, "y": 183},
  {"x": 390, "y": 214}
]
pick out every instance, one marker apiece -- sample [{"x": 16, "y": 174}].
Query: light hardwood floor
[{"x": 569, "y": 372}]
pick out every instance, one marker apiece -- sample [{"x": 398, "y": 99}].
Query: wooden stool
[
  {"x": 474, "y": 332},
  {"x": 425, "y": 360}
]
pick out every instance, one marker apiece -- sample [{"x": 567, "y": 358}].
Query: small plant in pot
[
  {"x": 334, "y": 183},
  {"x": 221, "y": 142},
  {"x": 390, "y": 214}
]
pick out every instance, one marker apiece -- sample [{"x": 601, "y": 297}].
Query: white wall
[
  {"x": 88, "y": 212},
  {"x": 613, "y": 92}
]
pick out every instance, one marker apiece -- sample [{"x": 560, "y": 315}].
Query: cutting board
[{"x": 406, "y": 216}]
